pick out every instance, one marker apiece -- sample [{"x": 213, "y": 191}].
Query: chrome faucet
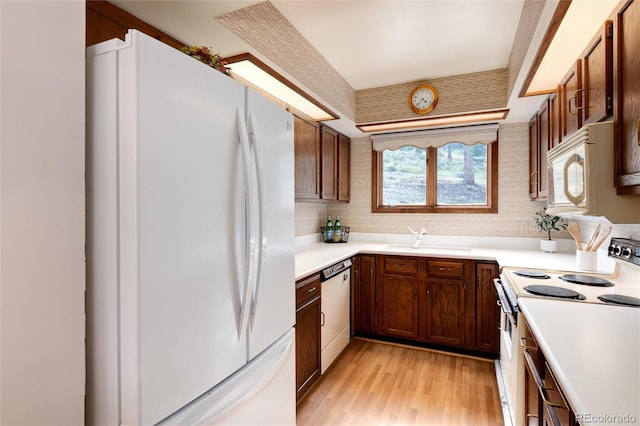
[{"x": 417, "y": 236}]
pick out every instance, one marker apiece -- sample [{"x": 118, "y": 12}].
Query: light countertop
[
  {"x": 594, "y": 352},
  {"x": 313, "y": 256}
]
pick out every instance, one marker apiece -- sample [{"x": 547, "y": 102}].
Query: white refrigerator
[{"x": 190, "y": 243}]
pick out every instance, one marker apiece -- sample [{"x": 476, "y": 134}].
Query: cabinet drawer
[
  {"x": 400, "y": 264},
  {"x": 446, "y": 268},
  {"x": 307, "y": 289}
]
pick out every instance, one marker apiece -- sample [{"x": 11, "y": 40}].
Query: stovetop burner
[
  {"x": 532, "y": 274},
  {"x": 586, "y": 280},
  {"x": 619, "y": 299},
  {"x": 548, "y": 290}
]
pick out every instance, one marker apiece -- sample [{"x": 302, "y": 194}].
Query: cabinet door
[
  {"x": 399, "y": 305},
  {"x": 544, "y": 136},
  {"x": 597, "y": 76},
  {"x": 344, "y": 168},
  {"x": 445, "y": 311},
  {"x": 307, "y": 346},
  {"x": 534, "y": 158},
  {"x": 487, "y": 310},
  {"x": 627, "y": 102},
  {"x": 555, "y": 121},
  {"x": 307, "y": 159},
  {"x": 571, "y": 89},
  {"x": 329, "y": 180},
  {"x": 364, "y": 295}
]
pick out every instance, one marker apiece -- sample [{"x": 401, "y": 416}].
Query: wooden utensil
[
  {"x": 601, "y": 237},
  {"x": 574, "y": 230},
  {"x": 593, "y": 238}
]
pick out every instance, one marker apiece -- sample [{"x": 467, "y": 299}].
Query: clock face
[{"x": 423, "y": 99}]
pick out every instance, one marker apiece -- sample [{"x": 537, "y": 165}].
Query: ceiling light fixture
[
  {"x": 260, "y": 76},
  {"x": 436, "y": 120},
  {"x": 573, "y": 25}
]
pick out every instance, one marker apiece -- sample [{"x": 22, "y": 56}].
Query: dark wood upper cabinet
[
  {"x": 597, "y": 76},
  {"x": 322, "y": 162},
  {"x": 307, "y": 159},
  {"x": 534, "y": 158},
  {"x": 344, "y": 168},
  {"x": 627, "y": 97},
  {"x": 106, "y": 21},
  {"x": 554, "y": 119},
  {"x": 329, "y": 148},
  {"x": 544, "y": 140},
  {"x": 571, "y": 100}
]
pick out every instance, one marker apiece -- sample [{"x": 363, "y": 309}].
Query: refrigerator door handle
[
  {"x": 262, "y": 216},
  {"x": 239, "y": 387},
  {"x": 250, "y": 252}
]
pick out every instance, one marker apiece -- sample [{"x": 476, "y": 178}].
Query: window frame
[{"x": 431, "y": 207}]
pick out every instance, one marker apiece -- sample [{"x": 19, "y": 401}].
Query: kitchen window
[{"x": 437, "y": 171}]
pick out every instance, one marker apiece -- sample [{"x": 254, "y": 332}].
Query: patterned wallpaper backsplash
[{"x": 515, "y": 217}]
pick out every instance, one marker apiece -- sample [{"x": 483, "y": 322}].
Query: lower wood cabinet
[
  {"x": 448, "y": 302},
  {"x": 487, "y": 309},
  {"x": 399, "y": 305},
  {"x": 444, "y": 312},
  {"x": 363, "y": 297},
  {"x": 308, "y": 311},
  {"x": 544, "y": 402}
]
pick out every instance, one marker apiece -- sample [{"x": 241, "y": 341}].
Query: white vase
[{"x": 548, "y": 246}]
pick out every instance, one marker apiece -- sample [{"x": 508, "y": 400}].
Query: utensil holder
[{"x": 587, "y": 260}]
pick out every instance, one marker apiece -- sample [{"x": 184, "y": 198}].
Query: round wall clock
[{"x": 423, "y": 99}]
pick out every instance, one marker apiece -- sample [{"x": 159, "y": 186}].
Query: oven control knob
[
  {"x": 617, "y": 250},
  {"x": 626, "y": 252}
]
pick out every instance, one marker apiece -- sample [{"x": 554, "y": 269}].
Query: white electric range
[{"x": 622, "y": 288}]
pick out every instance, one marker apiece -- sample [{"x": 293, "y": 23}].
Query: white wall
[{"x": 42, "y": 275}]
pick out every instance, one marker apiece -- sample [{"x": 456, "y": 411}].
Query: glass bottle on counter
[
  {"x": 337, "y": 229},
  {"x": 329, "y": 230}
]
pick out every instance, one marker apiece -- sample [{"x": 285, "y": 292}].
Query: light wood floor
[{"x": 374, "y": 383}]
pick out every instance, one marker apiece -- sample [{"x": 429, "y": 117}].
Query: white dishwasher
[{"x": 335, "y": 305}]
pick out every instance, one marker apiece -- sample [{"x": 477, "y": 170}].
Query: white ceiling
[
  {"x": 381, "y": 43},
  {"x": 371, "y": 43}
]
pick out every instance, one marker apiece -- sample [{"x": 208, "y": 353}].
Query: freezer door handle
[
  {"x": 239, "y": 387},
  {"x": 250, "y": 243},
  {"x": 261, "y": 196}
]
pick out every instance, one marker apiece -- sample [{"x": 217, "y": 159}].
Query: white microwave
[{"x": 581, "y": 177}]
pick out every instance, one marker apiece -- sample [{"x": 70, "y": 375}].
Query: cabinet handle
[
  {"x": 534, "y": 178},
  {"x": 524, "y": 344},
  {"x": 311, "y": 290},
  {"x": 545, "y": 398},
  {"x": 444, "y": 269},
  {"x": 575, "y": 102},
  {"x": 321, "y": 319},
  {"x": 499, "y": 303}
]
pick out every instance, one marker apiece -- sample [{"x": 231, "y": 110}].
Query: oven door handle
[{"x": 504, "y": 301}]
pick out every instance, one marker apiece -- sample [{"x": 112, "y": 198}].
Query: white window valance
[{"x": 469, "y": 135}]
